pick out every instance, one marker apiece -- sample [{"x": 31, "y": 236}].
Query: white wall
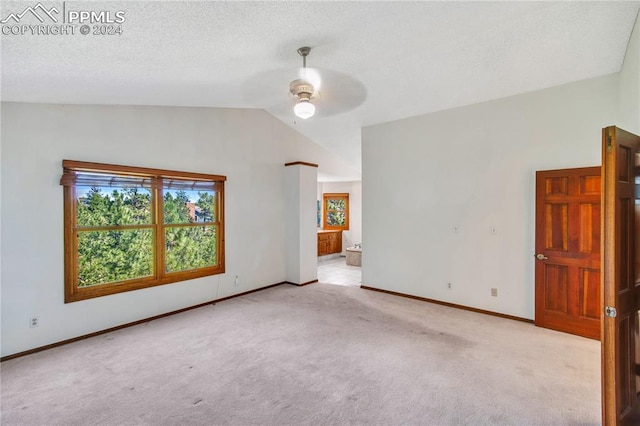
[
  {"x": 473, "y": 168},
  {"x": 301, "y": 235},
  {"x": 354, "y": 189},
  {"x": 630, "y": 84},
  {"x": 248, "y": 146},
  {"x": 308, "y": 229}
]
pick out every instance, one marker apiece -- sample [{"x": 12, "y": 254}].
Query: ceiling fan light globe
[{"x": 304, "y": 109}]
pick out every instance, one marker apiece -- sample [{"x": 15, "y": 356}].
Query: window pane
[
  {"x": 104, "y": 206},
  {"x": 182, "y": 206},
  {"x": 110, "y": 256},
  {"x": 190, "y": 247},
  {"x": 336, "y": 219},
  {"x": 336, "y": 204}
]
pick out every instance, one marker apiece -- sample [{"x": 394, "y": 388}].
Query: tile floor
[{"x": 336, "y": 271}]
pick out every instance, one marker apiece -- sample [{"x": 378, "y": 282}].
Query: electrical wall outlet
[
  {"x": 236, "y": 282},
  {"x": 448, "y": 285},
  {"x": 494, "y": 292},
  {"x": 33, "y": 322}
]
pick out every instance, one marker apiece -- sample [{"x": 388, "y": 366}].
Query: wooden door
[
  {"x": 621, "y": 277},
  {"x": 568, "y": 250}
]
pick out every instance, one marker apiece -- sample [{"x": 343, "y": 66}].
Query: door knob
[{"x": 541, "y": 256}]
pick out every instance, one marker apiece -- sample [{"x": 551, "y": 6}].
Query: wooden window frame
[
  {"x": 75, "y": 293},
  {"x": 332, "y": 196}
]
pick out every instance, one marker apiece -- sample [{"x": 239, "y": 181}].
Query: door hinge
[
  {"x": 609, "y": 142},
  {"x": 610, "y": 312}
]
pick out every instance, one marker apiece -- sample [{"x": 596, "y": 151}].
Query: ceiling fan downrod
[{"x": 304, "y": 52}]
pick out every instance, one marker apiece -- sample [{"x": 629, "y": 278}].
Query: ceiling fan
[
  {"x": 305, "y": 88},
  {"x": 340, "y": 92}
]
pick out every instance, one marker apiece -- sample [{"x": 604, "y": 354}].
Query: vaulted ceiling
[{"x": 379, "y": 61}]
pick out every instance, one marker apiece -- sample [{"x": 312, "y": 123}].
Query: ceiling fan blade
[
  {"x": 312, "y": 75},
  {"x": 342, "y": 93}
]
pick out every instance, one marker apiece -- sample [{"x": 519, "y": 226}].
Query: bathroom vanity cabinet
[{"x": 329, "y": 242}]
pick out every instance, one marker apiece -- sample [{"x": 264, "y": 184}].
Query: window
[
  {"x": 336, "y": 211},
  {"x": 127, "y": 228}
]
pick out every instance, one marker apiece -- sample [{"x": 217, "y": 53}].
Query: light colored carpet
[{"x": 313, "y": 355}]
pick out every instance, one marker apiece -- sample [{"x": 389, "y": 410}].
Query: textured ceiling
[{"x": 379, "y": 61}]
